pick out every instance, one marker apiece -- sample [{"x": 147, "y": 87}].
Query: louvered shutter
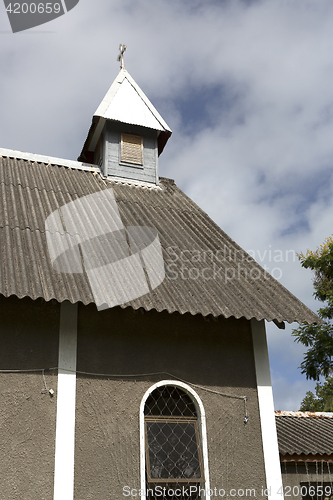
[{"x": 131, "y": 149}]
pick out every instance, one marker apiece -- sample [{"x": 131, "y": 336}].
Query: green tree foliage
[
  {"x": 322, "y": 401},
  {"x": 318, "y": 359}
]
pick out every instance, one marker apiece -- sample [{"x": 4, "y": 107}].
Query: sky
[{"x": 246, "y": 87}]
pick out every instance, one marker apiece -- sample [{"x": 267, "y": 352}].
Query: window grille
[
  {"x": 316, "y": 490},
  {"x": 173, "y": 445},
  {"x": 131, "y": 149}
]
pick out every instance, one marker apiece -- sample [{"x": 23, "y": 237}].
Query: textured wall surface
[
  {"x": 131, "y": 351},
  {"x": 28, "y": 340},
  {"x": 148, "y": 172},
  {"x": 217, "y": 355}
]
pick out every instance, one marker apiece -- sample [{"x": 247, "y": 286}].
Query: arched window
[{"x": 174, "y": 460}]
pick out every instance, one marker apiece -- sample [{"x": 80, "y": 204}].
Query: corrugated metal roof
[
  {"x": 304, "y": 433},
  {"x": 206, "y": 271}
]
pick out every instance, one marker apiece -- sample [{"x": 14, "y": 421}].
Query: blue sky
[{"x": 247, "y": 88}]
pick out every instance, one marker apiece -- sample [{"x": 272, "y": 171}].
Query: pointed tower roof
[{"x": 125, "y": 102}]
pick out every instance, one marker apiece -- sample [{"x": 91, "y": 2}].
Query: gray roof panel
[
  {"x": 225, "y": 280},
  {"x": 304, "y": 434}
]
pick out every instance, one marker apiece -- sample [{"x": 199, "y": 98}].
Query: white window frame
[{"x": 201, "y": 425}]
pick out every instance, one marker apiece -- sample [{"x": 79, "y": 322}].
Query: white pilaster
[
  {"x": 66, "y": 391},
  {"x": 266, "y": 410}
]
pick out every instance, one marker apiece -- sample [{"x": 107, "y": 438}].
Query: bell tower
[{"x": 127, "y": 133}]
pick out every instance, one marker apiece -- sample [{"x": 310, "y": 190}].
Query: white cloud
[{"x": 259, "y": 159}]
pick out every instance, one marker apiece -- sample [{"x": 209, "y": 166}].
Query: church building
[{"x": 133, "y": 359}]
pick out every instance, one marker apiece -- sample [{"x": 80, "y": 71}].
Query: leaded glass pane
[
  {"x": 170, "y": 400},
  {"x": 173, "y": 450}
]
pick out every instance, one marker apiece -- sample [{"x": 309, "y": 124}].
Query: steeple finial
[{"x": 120, "y": 58}]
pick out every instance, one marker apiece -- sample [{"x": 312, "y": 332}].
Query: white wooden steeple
[{"x": 127, "y": 133}]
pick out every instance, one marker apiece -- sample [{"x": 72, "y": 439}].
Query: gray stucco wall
[
  {"x": 216, "y": 355},
  {"x": 127, "y": 347},
  {"x": 28, "y": 340},
  {"x": 113, "y": 166}
]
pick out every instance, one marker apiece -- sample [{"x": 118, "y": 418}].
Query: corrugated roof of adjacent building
[
  {"x": 223, "y": 280},
  {"x": 304, "y": 433}
]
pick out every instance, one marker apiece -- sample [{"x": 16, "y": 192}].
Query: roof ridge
[
  {"x": 48, "y": 160},
  {"x": 72, "y": 164},
  {"x": 303, "y": 414}
]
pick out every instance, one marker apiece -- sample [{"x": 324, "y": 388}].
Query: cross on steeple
[{"x": 120, "y": 58}]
